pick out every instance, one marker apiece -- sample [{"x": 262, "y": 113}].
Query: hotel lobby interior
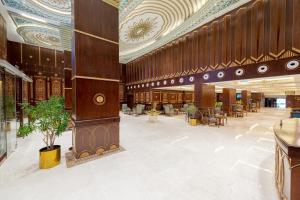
[{"x": 150, "y": 99}]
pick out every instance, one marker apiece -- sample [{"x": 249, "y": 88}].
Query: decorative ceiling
[
  {"x": 42, "y": 22},
  {"x": 146, "y": 25}
]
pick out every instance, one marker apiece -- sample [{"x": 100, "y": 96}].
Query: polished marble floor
[{"x": 167, "y": 160}]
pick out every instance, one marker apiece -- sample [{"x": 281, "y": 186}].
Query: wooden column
[
  {"x": 229, "y": 98},
  {"x": 68, "y": 80},
  {"x": 95, "y": 78},
  {"x": 205, "y": 95},
  {"x": 246, "y": 96}
]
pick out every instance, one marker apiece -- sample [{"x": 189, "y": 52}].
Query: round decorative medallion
[
  {"x": 262, "y": 69},
  {"x": 134, "y": 87},
  {"x": 158, "y": 83},
  {"x": 172, "y": 81},
  {"x": 143, "y": 85},
  {"x": 147, "y": 85},
  {"x": 239, "y": 72},
  {"x": 99, "y": 99},
  {"x": 206, "y": 76},
  {"x": 293, "y": 64},
  {"x": 191, "y": 79},
  {"x": 141, "y": 28},
  {"x": 181, "y": 80},
  {"x": 165, "y": 82},
  {"x": 152, "y": 84},
  {"x": 138, "y": 86},
  {"x": 127, "y": 87},
  {"x": 221, "y": 75}
]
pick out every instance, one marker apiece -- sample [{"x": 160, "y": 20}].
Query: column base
[{"x": 72, "y": 161}]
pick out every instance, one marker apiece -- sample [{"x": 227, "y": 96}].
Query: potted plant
[
  {"x": 191, "y": 110},
  {"x": 49, "y": 118}
]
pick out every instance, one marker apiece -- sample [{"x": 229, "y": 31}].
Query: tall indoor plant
[
  {"x": 192, "y": 110},
  {"x": 49, "y": 118}
]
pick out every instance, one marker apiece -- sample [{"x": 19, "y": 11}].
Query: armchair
[{"x": 168, "y": 109}]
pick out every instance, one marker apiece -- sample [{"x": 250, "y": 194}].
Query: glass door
[{"x": 3, "y": 139}]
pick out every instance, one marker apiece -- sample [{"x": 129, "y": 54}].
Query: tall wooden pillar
[
  {"x": 95, "y": 78},
  {"x": 19, "y": 100},
  {"x": 205, "y": 95},
  {"x": 246, "y": 96},
  {"x": 68, "y": 81},
  {"x": 229, "y": 98}
]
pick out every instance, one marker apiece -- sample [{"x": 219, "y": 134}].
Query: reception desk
[{"x": 287, "y": 159}]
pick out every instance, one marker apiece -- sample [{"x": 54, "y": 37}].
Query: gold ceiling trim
[
  {"x": 95, "y": 36},
  {"x": 114, "y": 3}
]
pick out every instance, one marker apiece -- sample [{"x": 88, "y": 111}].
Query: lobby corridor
[{"x": 164, "y": 160}]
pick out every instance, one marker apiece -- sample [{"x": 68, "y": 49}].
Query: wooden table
[{"x": 287, "y": 159}]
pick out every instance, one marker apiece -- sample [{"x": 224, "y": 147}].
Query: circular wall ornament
[
  {"x": 99, "y": 99},
  {"x": 147, "y": 85},
  {"x": 181, "y": 80},
  {"x": 221, "y": 75},
  {"x": 206, "y": 76},
  {"x": 152, "y": 84},
  {"x": 262, "y": 69},
  {"x": 191, "y": 79},
  {"x": 134, "y": 87},
  {"x": 165, "y": 82},
  {"x": 172, "y": 81},
  {"x": 143, "y": 85},
  {"x": 239, "y": 72},
  {"x": 158, "y": 83},
  {"x": 138, "y": 86},
  {"x": 293, "y": 64}
]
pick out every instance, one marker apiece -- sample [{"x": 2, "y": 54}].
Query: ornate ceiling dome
[
  {"x": 60, "y": 6},
  {"x": 152, "y": 19},
  {"x": 40, "y": 35}
]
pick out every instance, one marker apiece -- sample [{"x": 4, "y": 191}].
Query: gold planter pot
[
  {"x": 193, "y": 122},
  {"x": 49, "y": 158}
]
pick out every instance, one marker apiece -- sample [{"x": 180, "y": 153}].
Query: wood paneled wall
[
  {"x": 3, "y": 39},
  {"x": 259, "y": 31},
  {"x": 163, "y": 97},
  {"x": 44, "y": 65},
  {"x": 293, "y": 101}
]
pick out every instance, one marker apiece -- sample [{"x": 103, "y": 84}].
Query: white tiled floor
[{"x": 164, "y": 160}]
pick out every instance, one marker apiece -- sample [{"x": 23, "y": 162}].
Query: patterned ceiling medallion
[
  {"x": 206, "y": 76},
  {"x": 181, "y": 80},
  {"x": 172, "y": 81},
  {"x": 158, "y": 83},
  {"x": 141, "y": 28},
  {"x": 165, "y": 82},
  {"x": 239, "y": 72},
  {"x": 99, "y": 99},
  {"x": 40, "y": 35},
  {"x": 293, "y": 64},
  {"x": 152, "y": 84},
  {"x": 143, "y": 85},
  {"x": 191, "y": 79},
  {"x": 221, "y": 75},
  {"x": 262, "y": 69},
  {"x": 147, "y": 85}
]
